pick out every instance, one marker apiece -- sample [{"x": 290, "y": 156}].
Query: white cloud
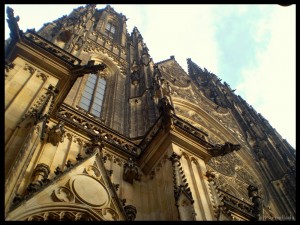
[{"x": 271, "y": 87}]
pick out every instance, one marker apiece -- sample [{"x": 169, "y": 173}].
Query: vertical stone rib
[
  {"x": 31, "y": 71},
  {"x": 159, "y": 197},
  {"x": 44, "y": 78},
  {"x": 193, "y": 185},
  {"x": 206, "y": 201},
  {"x": 60, "y": 157},
  {"x": 166, "y": 192}
]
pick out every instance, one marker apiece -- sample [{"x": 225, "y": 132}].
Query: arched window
[{"x": 93, "y": 95}]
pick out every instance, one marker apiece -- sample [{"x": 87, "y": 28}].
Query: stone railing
[
  {"x": 191, "y": 130},
  {"x": 92, "y": 127},
  {"x": 234, "y": 205}
]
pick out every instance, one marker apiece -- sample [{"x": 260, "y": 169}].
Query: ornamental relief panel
[
  {"x": 233, "y": 176},
  {"x": 60, "y": 216},
  {"x": 173, "y": 72},
  {"x": 158, "y": 166},
  {"x": 222, "y": 115},
  {"x": 112, "y": 158},
  {"x": 75, "y": 138},
  {"x": 226, "y": 120},
  {"x": 186, "y": 94},
  {"x": 90, "y": 47},
  {"x": 88, "y": 188},
  {"x": 214, "y": 136}
]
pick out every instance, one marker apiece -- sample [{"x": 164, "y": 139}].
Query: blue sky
[{"x": 250, "y": 47}]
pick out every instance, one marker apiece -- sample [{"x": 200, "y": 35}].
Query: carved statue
[
  {"x": 131, "y": 171},
  {"x": 13, "y": 24},
  {"x": 40, "y": 175},
  {"x": 165, "y": 106},
  {"x": 253, "y": 194},
  {"x": 56, "y": 134},
  {"x": 97, "y": 143},
  {"x": 166, "y": 109},
  {"x": 221, "y": 150},
  {"x": 134, "y": 75}
]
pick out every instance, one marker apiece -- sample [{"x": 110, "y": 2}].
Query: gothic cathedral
[{"x": 95, "y": 130}]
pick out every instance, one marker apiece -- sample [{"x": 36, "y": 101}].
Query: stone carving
[
  {"x": 97, "y": 144},
  {"x": 56, "y": 134},
  {"x": 93, "y": 171},
  {"x": 40, "y": 175},
  {"x": 166, "y": 110},
  {"x": 223, "y": 116},
  {"x": 95, "y": 47},
  {"x": 130, "y": 211},
  {"x": 41, "y": 109},
  {"x": 12, "y": 21},
  {"x": 68, "y": 114},
  {"x": 109, "y": 172},
  {"x": 131, "y": 171},
  {"x": 17, "y": 199},
  {"x": 79, "y": 157},
  {"x": 110, "y": 214},
  {"x": 30, "y": 69},
  {"x": 89, "y": 190},
  {"x": 88, "y": 68},
  {"x": 234, "y": 207},
  {"x": 253, "y": 194},
  {"x": 244, "y": 175},
  {"x": 51, "y": 47},
  {"x": 116, "y": 186},
  {"x": 135, "y": 75},
  {"x": 175, "y": 74},
  {"x": 182, "y": 193},
  {"x": 58, "y": 171},
  {"x": 61, "y": 216},
  {"x": 159, "y": 165},
  {"x": 179, "y": 180},
  {"x": 221, "y": 150},
  {"x": 190, "y": 129},
  {"x": 69, "y": 164},
  {"x": 8, "y": 66},
  {"x": 63, "y": 194}
]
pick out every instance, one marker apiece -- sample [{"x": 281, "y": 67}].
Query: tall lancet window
[
  {"x": 110, "y": 30},
  {"x": 93, "y": 95}
]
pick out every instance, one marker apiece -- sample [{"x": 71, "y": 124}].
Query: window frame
[
  {"x": 97, "y": 95},
  {"x": 109, "y": 32}
]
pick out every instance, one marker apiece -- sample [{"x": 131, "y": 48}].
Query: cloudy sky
[{"x": 250, "y": 47}]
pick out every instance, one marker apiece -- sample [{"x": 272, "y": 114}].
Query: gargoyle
[{"x": 221, "y": 150}]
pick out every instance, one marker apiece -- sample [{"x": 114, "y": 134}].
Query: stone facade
[{"x": 151, "y": 143}]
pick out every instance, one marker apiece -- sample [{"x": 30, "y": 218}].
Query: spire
[{"x": 208, "y": 83}]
